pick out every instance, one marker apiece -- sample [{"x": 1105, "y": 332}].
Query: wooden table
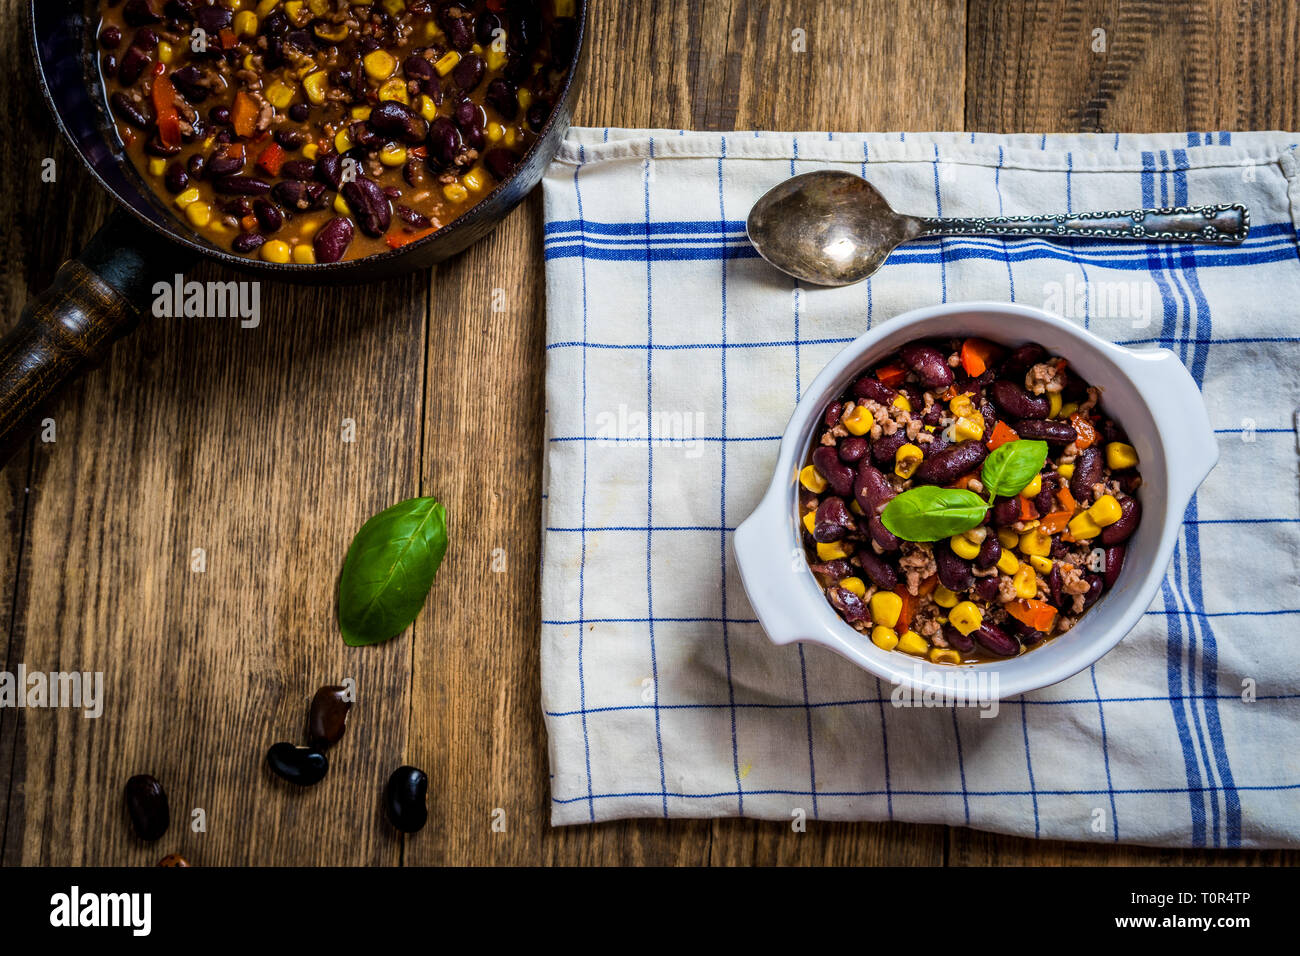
[{"x": 201, "y": 434}]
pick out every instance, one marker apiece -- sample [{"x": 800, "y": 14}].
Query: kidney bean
[
  {"x": 882, "y": 535},
  {"x": 873, "y": 388},
  {"x": 1006, "y": 511},
  {"x": 196, "y": 165},
  {"x": 878, "y": 570},
  {"x": 1016, "y": 402},
  {"x": 1114, "y": 564},
  {"x": 138, "y": 13},
  {"x": 291, "y": 138},
  {"x": 175, "y": 179},
  {"x": 108, "y": 65},
  {"x": 871, "y": 489},
  {"x": 1130, "y": 512},
  {"x": 246, "y": 242},
  {"x": 537, "y": 115},
  {"x": 485, "y": 30},
  {"x": 1043, "y": 429},
  {"x": 213, "y": 19},
  {"x": 503, "y": 96},
  {"x": 369, "y": 206},
  {"x": 931, "y": 448},
  {"x": 950, "y": 464},
  {"x": 292, "y": 194},
  {"x": 418, "y": 68},
  {"x": 412, "y": 218},
  {"x": 268, "y": 215},
  {"x": 146, "y": 39},
  {"x": 851, "y": 607},
  {"x": 957, "y": 640},
  {"x": 468, "y": 73},
  {"x": 884, "y": 448},
  {"x": 329, "y": 170},
  {"x": 1087, "y": 472},
  {"x": 154, "y": 146},
  {"x": 146, "y": 805},
  {"x": 834, "y": 411},
  {"x": 933, "y": 415},
  {"x": 1096, "y": 584},
  {"x": 500, "y": 162},
  {"x": 397, "y": 120},
  {"x": 915, "y": 397},
  {"x": 997, "y": 641},
  {"x": 239, "y": 208},
  {"x": 852, "y": 449},
  {"x": 110, "y": 37},
  {"x": 303, "y": 766},
  {"x": 444, "y": 143},
  {"x": 986, "y": 589},
  {"x": 836, "y": 570},
  {"x": 460, "y": 33},
  {"x": 173, "y": 859},
  {"x": 1054, "y": 584},
  {"x": 836, "y": 473},
  {"x": 299, "y": 111},
  {"x": 833, "y": 520},
  {"x": 241, "y": 185},
  {"x": 1021, "y": 359},
  {"x": 188, "y": 81},
  {"x": 928, "y": 363},
  {"x": 332, "y": 239},
  {"x": 990, "y": 414},
  {"x": 223, "y": 163},
  {"x": 1045, "y": 500},
  {"x": 327, "y": 717},
  {"x": 302, "y": 170},
  {"x": 1027, "y": 635},
  {"x": 1111, "y": 431},
  {"x": 134, "y": 62},
  {"x": 1059, "y": 548},
  {"x": 990, "y": 552},
  {"x": 131, "y": 111},
  {"x": 954, "y": 573},
  {"x": 404, "y": 799}
]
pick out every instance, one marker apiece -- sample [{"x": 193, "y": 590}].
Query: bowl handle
[
  {"x": 95, "y": 299},
  {"x": 770, "y": 571},
  {"x": 1173, "y": 396}
]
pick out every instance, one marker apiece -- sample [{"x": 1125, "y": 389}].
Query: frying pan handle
[{"x": 68, "y": 329}]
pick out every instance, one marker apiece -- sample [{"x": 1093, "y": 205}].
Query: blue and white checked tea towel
[{"x": 674, "y": 359}]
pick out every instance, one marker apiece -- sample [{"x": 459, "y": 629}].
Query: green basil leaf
[
  {"x": 389, "y": 570},
  {"x": 1010, "y": 467},
  {"x": 927, "y": 513}
]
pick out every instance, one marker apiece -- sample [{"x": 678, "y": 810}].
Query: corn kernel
[
  {"x": 455, "y": 192},
  {"x": 394, "y": 89},
  {"x": 198, "y": 213},
  {"x": 304, "y": 254},
  {"x": 266, "y": 6},
  {"x": 832, "y": 550},
  {"x": 188, "y": 196},
  {"x": 473, "y": 180},
  {"x": 525, "y": 98},
  {"x": 1119, "y": 455},
  {"x": 330, "y": 33},
  {"x": 392, "y": 154},
  {"x": 961, "y": 406},
  {"x": 1105, "y": 511},
  {"x": 859, "y": 420},
  {"x": 293, "y": 10},
  {"x": 511, "y": 136},
  {"x": 1067, "y": 471},
  {"x": 166, "y": 52},
  {"x": 280, "y": 95},
  {"x": 276, "y": 251},
  {"x": 966, "y": 617},
  {"x": 886, "y": 606},
  {"x": 963, "y": 547},
  {"x": 907, "y": 459},
  {"x": 855, "y": 507},
  {"x": 318, "y": 7},
  {"x": 885, "y": 638},
  {"x": 1053, "y": 404},
  {"x": 495, "y": 58},
  {"x": 342, "y": 141},
  {"x": 1034, "y": 487},
  {"x": 969, "y": 429},
  {"x": 564, "y": 8},
  {"x": 1082, "y": 527},
  {"x": 1008, "y": 563},
  {"x": 341, "y": 205},
  {"x": 248, "y": 62},
  {"x": 809, "y": 477},
  {"x": 944, "y": 655},
  {"x": 427, "y": 107},
  {"x": 856, "y": 585},
  {"x": 913, "y": 643},
  {"x": 447, "y": 62},
  {"x": 1025, "y": 582},
  {"x": 1040, "y": 563},
  {"x": 359, "y": 112},
  {"x": 1036, "y": 542},
  {"x": 245, "y": 23},
  {"x": 314, "y": 84},
  {"x": 379, "y": 65},
  {"x": 1008, "y": 538},
  {"x": 943, "y": 597},
  {"x": 810, "y": 520},
  {"x": 394, "y": 7},
  {"x": 494, "y": 132},
  {"x": 157, "y": 166},
  {"x": 900, "y": 401},
  {"x": 1069, "y": 408}
]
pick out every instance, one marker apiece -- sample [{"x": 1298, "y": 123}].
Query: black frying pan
[{"x": 100, "y": 296}]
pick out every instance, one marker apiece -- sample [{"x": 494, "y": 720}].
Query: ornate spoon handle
[{"x": 1224, "y": 224}]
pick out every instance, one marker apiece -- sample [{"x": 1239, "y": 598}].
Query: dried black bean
[
  {"x": 404, "y": 799},
  {"x": 986, "y": 589},
  {"x": 1006, "y": 511},
  {"x": 110, "y": 37},
  {"x": 301, "y": 765},
  {"x": 214, "y": 19},
  {"x": 146, "y": 804},
  {"x": 329, "y": 170},
  {"x": 196, "y": 165},
  {"x": 299, "y": 169},
  {"x": 444, "y": 143}
]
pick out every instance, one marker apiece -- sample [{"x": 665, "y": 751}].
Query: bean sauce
[{"x": 264, "y": 125}]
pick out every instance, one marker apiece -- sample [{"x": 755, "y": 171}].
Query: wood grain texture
[{"x": 202, "y": 434}]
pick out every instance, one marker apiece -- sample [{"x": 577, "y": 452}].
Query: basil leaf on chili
[
  {"x": 928, "y": 513},
  {"x": 1010, "y": 467},
  {"x": 389, "y": 570}
]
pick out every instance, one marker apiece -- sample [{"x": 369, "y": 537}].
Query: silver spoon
[{"x": 834, "y": 228}]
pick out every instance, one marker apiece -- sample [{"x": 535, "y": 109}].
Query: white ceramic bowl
[{"x": 1149, "y": 392}]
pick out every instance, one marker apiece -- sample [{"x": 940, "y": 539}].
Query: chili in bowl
[{"x": 1145, "y": 404}]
